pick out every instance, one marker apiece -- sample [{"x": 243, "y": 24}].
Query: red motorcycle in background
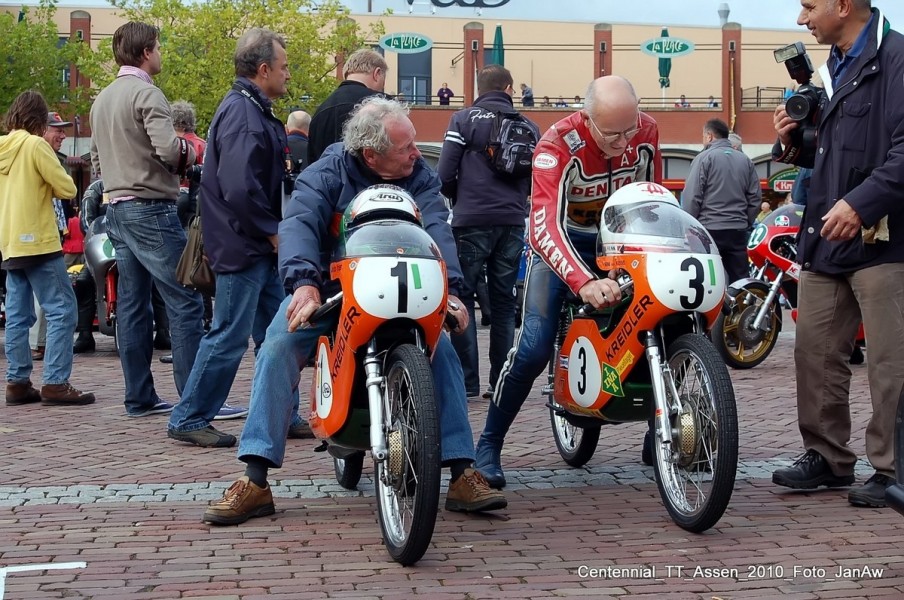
[{"x": 748, "y": 332}]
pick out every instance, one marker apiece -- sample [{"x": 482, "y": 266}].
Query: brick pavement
[{"x": 89, "y": 485}]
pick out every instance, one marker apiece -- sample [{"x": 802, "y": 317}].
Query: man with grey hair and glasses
[
  {"x": 379, "y": 147},
  {"x": 578, "y": 164}
]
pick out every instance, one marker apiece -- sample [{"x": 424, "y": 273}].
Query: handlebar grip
[{"x": 326, "y": 307}]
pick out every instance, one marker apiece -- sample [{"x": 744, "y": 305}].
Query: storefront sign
[
  {"x": 466, "y": 3},
  {"x": 783, "y": 181},
  {"x": 667, "y": 47},
  {"x": 406, "y": 43}
]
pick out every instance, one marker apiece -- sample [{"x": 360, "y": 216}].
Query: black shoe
[
  {"x": 83, "y": 343},
  {"x": 809, "y": 472},
  {"x": 871, "y": 493},
  {"x": 162, "y": 340},
  {"x": 206, "y": 438},
  {"x": 166, "y": 359},
  {"x": 302, "y": 431}
]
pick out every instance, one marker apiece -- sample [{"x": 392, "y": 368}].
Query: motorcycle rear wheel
[
  {"x": 407, "y": 482},
  {"x": 348, "y": 470},
  {"x": 576, "y": 444},
  {"x": 739, "y": 345},
  {"x": 695, "y": 473}
]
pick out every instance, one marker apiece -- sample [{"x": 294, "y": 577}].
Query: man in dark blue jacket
[
  {"x": 240, "y": 205},
  {"x": 364, "y": 75},
  {"x": 851, "y": 247},
  {"x": 487, "y": 220},
  {"x": 379, "y": 148}
]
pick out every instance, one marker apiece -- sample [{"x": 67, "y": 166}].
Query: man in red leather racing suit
[{"x": 578, "y": 164}]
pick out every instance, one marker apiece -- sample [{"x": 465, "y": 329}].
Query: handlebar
[
  {"x": 625, "y": 283},
  {"x": 326, "y": 307},
  {"x": 450, "y": 321}
]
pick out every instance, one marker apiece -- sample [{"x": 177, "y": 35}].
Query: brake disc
[
  {"x": 396, "y": 454},
  {"x": 746, "y": 332},
  {"x": 687, "y": 441}
]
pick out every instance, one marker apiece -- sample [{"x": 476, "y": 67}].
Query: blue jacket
[
  {"x": 479, "y": 195},
  {"x": 242, "y": 183},
  {"x": 308, "y": 234},
  {"x": 860, "y": 157}
]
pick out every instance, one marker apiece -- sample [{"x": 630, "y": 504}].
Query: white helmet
[
  {"x": 645, "y": 216},
  {"x": 380, "y": 202},
  {"x": 641, "y": 191}
]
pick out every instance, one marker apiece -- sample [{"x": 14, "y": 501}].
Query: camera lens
[{"x": 798, "y": 107}]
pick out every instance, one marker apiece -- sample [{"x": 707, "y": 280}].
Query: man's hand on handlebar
[
  {"x": 456, "y": 313},
  {"x": 600, "y": 293},
  {"x": 305, "y": 300}
]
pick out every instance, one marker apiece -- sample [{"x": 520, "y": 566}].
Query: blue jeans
[
  {"x": 499, "y": 247},
  {"x": 544, "y": 294},
  {"x": 245, "y": 305},
  {"x": 277, "y": 372},
  {"x": 49, "y": 283},
  {"x": 149, "y": 241}
]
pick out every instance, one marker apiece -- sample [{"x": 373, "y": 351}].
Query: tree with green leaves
[
  {"x": 198, "y": 42},
  {"x": 36, "y": 58}
]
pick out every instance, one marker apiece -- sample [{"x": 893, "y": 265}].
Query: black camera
[
  {"x": 193, "y": 173},
  {"x": 803, "y": 105}
]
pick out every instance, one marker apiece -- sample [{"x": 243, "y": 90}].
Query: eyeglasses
[{"x": 611, "y": 138}]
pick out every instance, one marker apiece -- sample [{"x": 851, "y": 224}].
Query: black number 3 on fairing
[{"x": 691, "y": 302}]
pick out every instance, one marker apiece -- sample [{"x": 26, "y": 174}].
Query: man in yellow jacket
[{"x": 30, "y": 175}]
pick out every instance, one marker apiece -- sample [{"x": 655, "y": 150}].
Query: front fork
[
  {"x": 660, "y": 398},
  {"x": 765, "y": 307},
  {"x": 375, "y": 387}
]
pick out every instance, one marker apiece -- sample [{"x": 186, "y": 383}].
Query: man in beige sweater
[{"x": 136, "y": 148}]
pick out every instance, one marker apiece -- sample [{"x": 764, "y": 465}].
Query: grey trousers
[{"x": 830, "y": 312}]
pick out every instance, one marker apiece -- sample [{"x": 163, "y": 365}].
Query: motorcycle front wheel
[
  {"x": 740, "y": 345},
  {"x": 696, "y": 471},
  {"x": 407, "y": 482},
  {"x": 576, "y": 444}
]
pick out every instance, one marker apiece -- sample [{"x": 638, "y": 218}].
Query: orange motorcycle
[
  {"x": 648, "y": 358},
  {"x": 372, "y": 385}
]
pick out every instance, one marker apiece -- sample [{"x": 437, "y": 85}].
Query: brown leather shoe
[
  {"x": 63, "y": 394},
  {"x": 472, "y": 493},
  {"x": 21, "y": 393},
  {"x": 38, "y": 353},
  {"x": 242, "y": 501}
]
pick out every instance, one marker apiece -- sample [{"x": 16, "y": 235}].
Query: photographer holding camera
[{"x": 851, "y": 245}]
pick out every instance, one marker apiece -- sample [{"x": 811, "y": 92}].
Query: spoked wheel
[
  {"x": 740, "y": 345},
  {"x": 575, "y": 444},
  {"x": 348, "y": 470},
  {"x": 695, "y": 473},
  {"x": 408, "y": 480}
]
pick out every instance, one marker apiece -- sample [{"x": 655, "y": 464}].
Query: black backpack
[{"x": 511, "y": 146}]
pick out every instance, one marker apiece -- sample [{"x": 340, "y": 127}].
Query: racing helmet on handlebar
[
  {"x": 380, "y": 202},
  {"x": 383, "y": 220},
  {"x": 645, "y": 217}
]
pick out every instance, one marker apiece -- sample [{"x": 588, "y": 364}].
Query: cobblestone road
[{"x": 119, "y": 505}]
